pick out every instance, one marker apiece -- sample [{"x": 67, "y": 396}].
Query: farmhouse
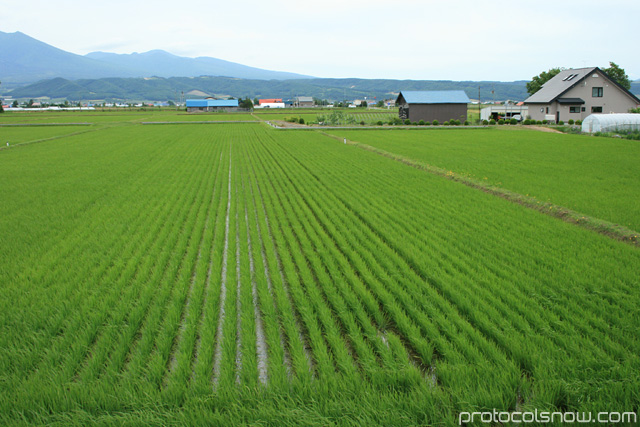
[
  {"x": 577, "y": 93},
  {"x": 196, "y": 105},
  {"x": 432, "y": 105},
  {"x": 303, "y": 101}
]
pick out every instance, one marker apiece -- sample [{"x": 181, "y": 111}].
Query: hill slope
[
  {"x": 163, "y": 89},
  {"x": 164, "y": 64},
  {"x": 25, "y": 60}
]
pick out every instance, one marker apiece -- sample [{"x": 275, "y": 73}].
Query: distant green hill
[
  {"x": 164, "y": 89},
  {"x": 30, "y": 69}
]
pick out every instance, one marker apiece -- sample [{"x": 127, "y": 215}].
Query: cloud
[{"x": 363, "y": 38}]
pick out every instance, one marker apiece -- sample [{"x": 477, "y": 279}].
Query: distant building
[
  {"x": 432, "y": 105},
  {"x": 577, "y": 93},
  {"x": 196, "y": 105},
  {"x": 303, "y": 101},
  {"x": 270, "y": 103}
]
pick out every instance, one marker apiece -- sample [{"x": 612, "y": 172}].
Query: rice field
[
  {"x": 354, "y": 115},
  {"x": 101, "y": 116},
  {"x": 596, "y": 176},
  {"x": 237, "y": 274}
]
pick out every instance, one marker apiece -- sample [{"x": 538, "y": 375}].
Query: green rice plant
[
  {"x": 234, "y": 273},
  {"x": 368, "y": 202},
  {"x": 288, "y": 319},
  {"x": 573, "y": 171}
]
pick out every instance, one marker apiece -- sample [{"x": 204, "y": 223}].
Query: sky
[{"x": 418, "y": 40}]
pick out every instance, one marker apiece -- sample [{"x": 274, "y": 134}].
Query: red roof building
[{"x": 269, "y": 101}]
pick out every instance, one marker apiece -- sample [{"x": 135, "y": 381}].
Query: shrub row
[
  {"x": 398, "y": 121},
  {"x": 526, "y": 122}
]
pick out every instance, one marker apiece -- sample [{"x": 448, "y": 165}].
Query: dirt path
[{"x": 543, "y": 129}]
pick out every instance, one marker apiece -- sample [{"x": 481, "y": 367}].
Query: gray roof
[
  {"x": 305, "y": 99},
  {"x": 435, "y": 97},
  {"x": 558, "y": 85}
]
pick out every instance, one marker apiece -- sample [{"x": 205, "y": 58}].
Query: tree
[
  {"x": 245, "y": 104},
  {"x": 15, "y": 104},
  {"x": 618, "y": 75},
  {"x": 536, "y": 82},
  {"x": 336, "y": 117}
]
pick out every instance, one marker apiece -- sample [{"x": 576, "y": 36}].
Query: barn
[
  {"x": 303, "y": 101},
  {"x": 433, "y": 105},
  {"x": 196, "y": 105}
]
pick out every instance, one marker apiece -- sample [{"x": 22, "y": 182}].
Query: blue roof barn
[
  {"x": 433, "y": 105},
  {"x": 195, "y": 105}
]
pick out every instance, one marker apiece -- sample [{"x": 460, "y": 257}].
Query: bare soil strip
[
  {"x": 285, "y": 284},
  {"x": 223, "y": 287},
  {"x": 261, "y": 342},
  {"x": 267, "y": 274},
  {"x": 238, "y": 301}
]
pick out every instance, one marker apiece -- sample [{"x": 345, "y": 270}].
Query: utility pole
[{"x": 479, "y": 106}]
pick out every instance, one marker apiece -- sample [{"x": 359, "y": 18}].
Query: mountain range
[
  {"x": 30, "y": 68},
  {"x": 25, "y": 60}
]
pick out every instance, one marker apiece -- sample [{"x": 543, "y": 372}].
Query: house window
[
  {"x": 596, "y": 92},
  {"x": 574, "y": 109},
  {"x": 596, "y": 109},
  {"x": 547, "y": 110}
]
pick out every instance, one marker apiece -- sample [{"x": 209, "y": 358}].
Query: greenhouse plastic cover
[{"x": 611, "y": 122}]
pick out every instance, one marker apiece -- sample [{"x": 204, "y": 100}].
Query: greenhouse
[{"x": 611, "y": 123}]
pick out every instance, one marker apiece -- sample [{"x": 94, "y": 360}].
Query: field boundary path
[
  {"x": 27, "y": 125},
  {"x": 609, "y": 229},
  {"x": 209, "y": 122}
]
